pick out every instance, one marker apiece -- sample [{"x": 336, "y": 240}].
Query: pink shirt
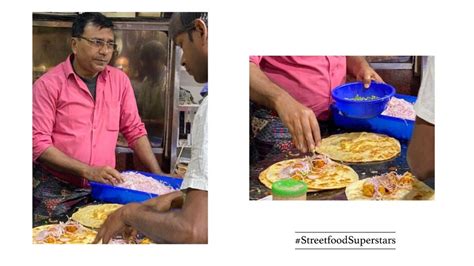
[
  {"x": 66, "y": 116},
  {"x": 308, "y": 79}
]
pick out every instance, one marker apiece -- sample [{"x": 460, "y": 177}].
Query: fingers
[
  {"x": 115, "y": 175},
  {"x": 96, "y": 240},
  {"x": 107, "y": 179},
  {"x": 293, "y": 133},
  {"x": 104, "y": 234},
  {"x": 370, "y": 75},
  {"x": 105, "y": 174},
  {"x": 316, "y": 132},
  {"x": 302, "y": 125},
  {"x": 98, "y": 237},
  {"x": 130, "y": 234},
  {"x": 106, "y": 238},
  {"x": 112, "y": 226},
  {"x": 367, "y": 79},
  {"x": 308, "y": 134},
  {"x": 299, "y": 135}
]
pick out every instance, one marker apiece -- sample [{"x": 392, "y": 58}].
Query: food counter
[{"x": 364, "y": 170}]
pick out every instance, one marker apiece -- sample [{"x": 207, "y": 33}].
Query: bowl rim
[{"x": 388, "y": 96}]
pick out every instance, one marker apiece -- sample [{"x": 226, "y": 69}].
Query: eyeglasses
[{"x": 99, "y": 44}]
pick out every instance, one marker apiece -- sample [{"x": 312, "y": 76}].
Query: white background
[{"x": 262, "y": 233}]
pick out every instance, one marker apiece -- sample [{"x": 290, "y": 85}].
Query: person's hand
[
  {"x": 104, "y": 174},
  {"x": 115, "y": 225},
  {"x": 301, "y": 122},
  {"x": 165, "y": 202},
  {"x": 366, "y": 74},
  {"x": 180, "y": 170}
]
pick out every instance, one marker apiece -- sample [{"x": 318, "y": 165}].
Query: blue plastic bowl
[
  {"x": 362, "y": 109},
  {"x": 395, "y": 127},
  {"x": 113, "y": 194}
]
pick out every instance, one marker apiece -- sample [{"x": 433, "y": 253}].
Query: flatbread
[
  {"x": 359, "y": 147},
  {"x": 73, "y": 232},
  {"x": 390, "y": 187},
  {"x": 63, "y": 233},
  {"x": 94, "y": 215},
  {"x": 318, "y": 172}
]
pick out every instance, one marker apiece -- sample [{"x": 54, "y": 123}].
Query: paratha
[
  {"x": 359, "y": 147},
  {"x": 70, "y": 232},
  {"x": 94, "y": 215},
  {"x": 390, "y": 186},
  {"x": 318, "y": 172}
]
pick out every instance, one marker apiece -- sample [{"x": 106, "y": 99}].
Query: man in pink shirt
[
  {"x": 292, "y": 95},
  {"x": 79, "y": 107}
]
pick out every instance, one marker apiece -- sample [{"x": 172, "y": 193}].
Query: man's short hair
[
  {"x": 97, "y": 19},
  {"x": 184, "y": 22}
]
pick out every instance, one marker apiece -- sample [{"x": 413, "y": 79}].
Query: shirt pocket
[{"x": 112, "y": 116}]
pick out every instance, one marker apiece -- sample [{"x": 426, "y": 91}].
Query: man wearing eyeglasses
[
  {"x": 180, "y": 216},
  {"x": 79, "y": 107}
]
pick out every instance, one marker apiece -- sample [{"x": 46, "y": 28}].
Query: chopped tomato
[
  {"x": 319, "y": 163},
  {"x": 71, "y": 228}
]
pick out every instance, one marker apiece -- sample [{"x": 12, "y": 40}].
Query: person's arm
[
  {"x": 142, "y": 149},
  {"x": 300, "y": 120},
  {"x": 166, "y": 202},
  {"x": 186, "y": 225},
  {"x": 420, "y": 155},
  {"x": 361, "y": 70},
  {"x": 57, "y": 160},
  {"x": 44, "y": 118}
]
